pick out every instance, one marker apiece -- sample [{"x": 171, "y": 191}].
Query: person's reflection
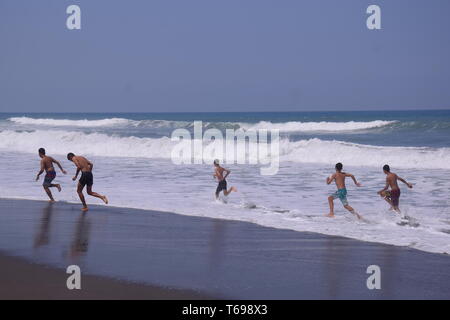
[
  {"x": 80, "y": 242},
  {"x": 389, "y": 258},
  {"x": 337, "y": 254},
  {"x": 217, "y": 244},
  {"x": 43, "y": 234}
]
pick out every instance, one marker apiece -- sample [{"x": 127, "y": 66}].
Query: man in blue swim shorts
[
  {"x": 47, "y": 166},
  {"x": 341, "y": 193}
]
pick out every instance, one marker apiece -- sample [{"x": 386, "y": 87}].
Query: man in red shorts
[{"x": 392, "y": 196}]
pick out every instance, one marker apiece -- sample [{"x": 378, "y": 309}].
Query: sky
[{"x": 223, "y": 55}]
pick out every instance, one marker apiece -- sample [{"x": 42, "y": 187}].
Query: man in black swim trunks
[
  {"x": 87, "y": 179},
  {"x": 47, "y": 165},
  {"x": 219, "y": 175}
]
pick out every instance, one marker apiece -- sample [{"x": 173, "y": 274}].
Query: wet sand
[
  {"x": 128, "y": 253},
  {"x": 21, "y": 279}
]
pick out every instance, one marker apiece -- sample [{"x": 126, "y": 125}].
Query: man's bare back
[
  {"x": 86, "y": 180},
  {"x": 339, "y": 178},
  {"x": 219, "y": 173},
  {"x": 391, "y": 180},
  {"x": 47, "y": 166},
  {"x": 47, "y": 163},
  {"x": 82, "y": 163},
  {"x": 392, "y": 196},
  {"x": 341, "y": 193}
]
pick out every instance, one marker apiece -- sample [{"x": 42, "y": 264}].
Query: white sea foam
[
  {"x": 302, "y": 151},
  {"x": 292, "y": 126},
  {"x": 294, "y": 199}
]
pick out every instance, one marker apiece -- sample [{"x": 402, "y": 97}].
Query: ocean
[{"x": 133, "y": 167}]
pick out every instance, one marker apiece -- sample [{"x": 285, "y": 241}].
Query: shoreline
[
  {"x": 206, "y": 257},
  {"x": 142, "y": 211}
]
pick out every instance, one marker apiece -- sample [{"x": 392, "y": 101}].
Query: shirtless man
[
  {"x": 47, "y": 165},
  {"x": 87, "y": 179},
  {"x": 219, "y": 175},
  {"x": 392, "y": 196},
  {"x": 341, "y": 193}
]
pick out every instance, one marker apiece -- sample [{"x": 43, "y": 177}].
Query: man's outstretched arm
[
  {"x": 78, "y": 170},
  {"x": 76, "y": 174},
  {"x": 331, "y": 178},
  {"x": 404, "y": 181},
  {"x": 59, "y": 165},
  {"x": 40, "y": 171},
  {"x": 227, "y": 173},
  {"x": 353, "y": 178}
]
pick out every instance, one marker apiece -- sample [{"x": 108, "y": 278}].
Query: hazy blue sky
[{"x": 220, "y": 55}]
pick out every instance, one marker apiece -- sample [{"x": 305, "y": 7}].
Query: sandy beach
[
  {"x": 24, "y": 280},
  {"x": 128, "y": 254}
]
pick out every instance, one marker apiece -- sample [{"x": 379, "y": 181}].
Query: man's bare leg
[
  {"x": 57, "y": 186},
  {"x": 80, "y": 194},
  {"x": 95, "y": 194},
  {"x": 390, "y": 203},
  {"x": 384, "y": 195},
  {"x": 49, "y": 193},
  {"x": 331, "y": 203},
  {"x": 225, "y": 192},
  {"x": 397, "y": 209},
  {"x": 349, "y": 208}
]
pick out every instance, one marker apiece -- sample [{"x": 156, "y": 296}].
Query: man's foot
[
  {"x": 58, "y": 186},
  {"x": 51, "y": 201},
  {"x": 105, "y": 199},
  {"x": 84, "y": 209},
  {"x": 330, "y": 215}
]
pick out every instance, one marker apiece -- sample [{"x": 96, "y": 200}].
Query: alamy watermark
[
  {"x": 374, "y": 280},
  {"x": 256, "y": 147},
  {"x": 73, "y": 21},
  {"x": 74, "y": 280}
]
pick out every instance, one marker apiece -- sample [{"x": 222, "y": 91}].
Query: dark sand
[
  {"x": 164, "y": 253},
  {"x": 20, "y": 279}
]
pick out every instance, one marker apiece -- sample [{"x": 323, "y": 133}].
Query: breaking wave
[{"x": 302, "y": 151}]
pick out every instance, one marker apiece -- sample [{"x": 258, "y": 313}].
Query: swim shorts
[
  {"x": 394, "y": 195},
  {"x": 49, "y": 177},
  {"x": 87, "y": 179},
  {"x": 222, "y": 186},
  {"x": 341, "y": 194}
]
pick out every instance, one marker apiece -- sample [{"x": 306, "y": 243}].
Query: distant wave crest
[
  {"x": 70, "y": 123},
  {"x": 292, "y": 126},
  {"x": 295, "y": 126}
]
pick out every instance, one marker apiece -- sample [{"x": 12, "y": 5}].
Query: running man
[
  {"x": 87, "y": 179},
  {"x": 392, "y": 196},
  {"x": 219, "y": 175},
  {"x": 47, "y": 165},
  {"x": 341, "y": 193}
]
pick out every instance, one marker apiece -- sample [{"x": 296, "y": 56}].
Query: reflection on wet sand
[
  {"x": 217, "y": 244},
  {"x": 334, "y": 272},
  {"x": 80, "y": 243},
  {"x": 42, "y": 237}
]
